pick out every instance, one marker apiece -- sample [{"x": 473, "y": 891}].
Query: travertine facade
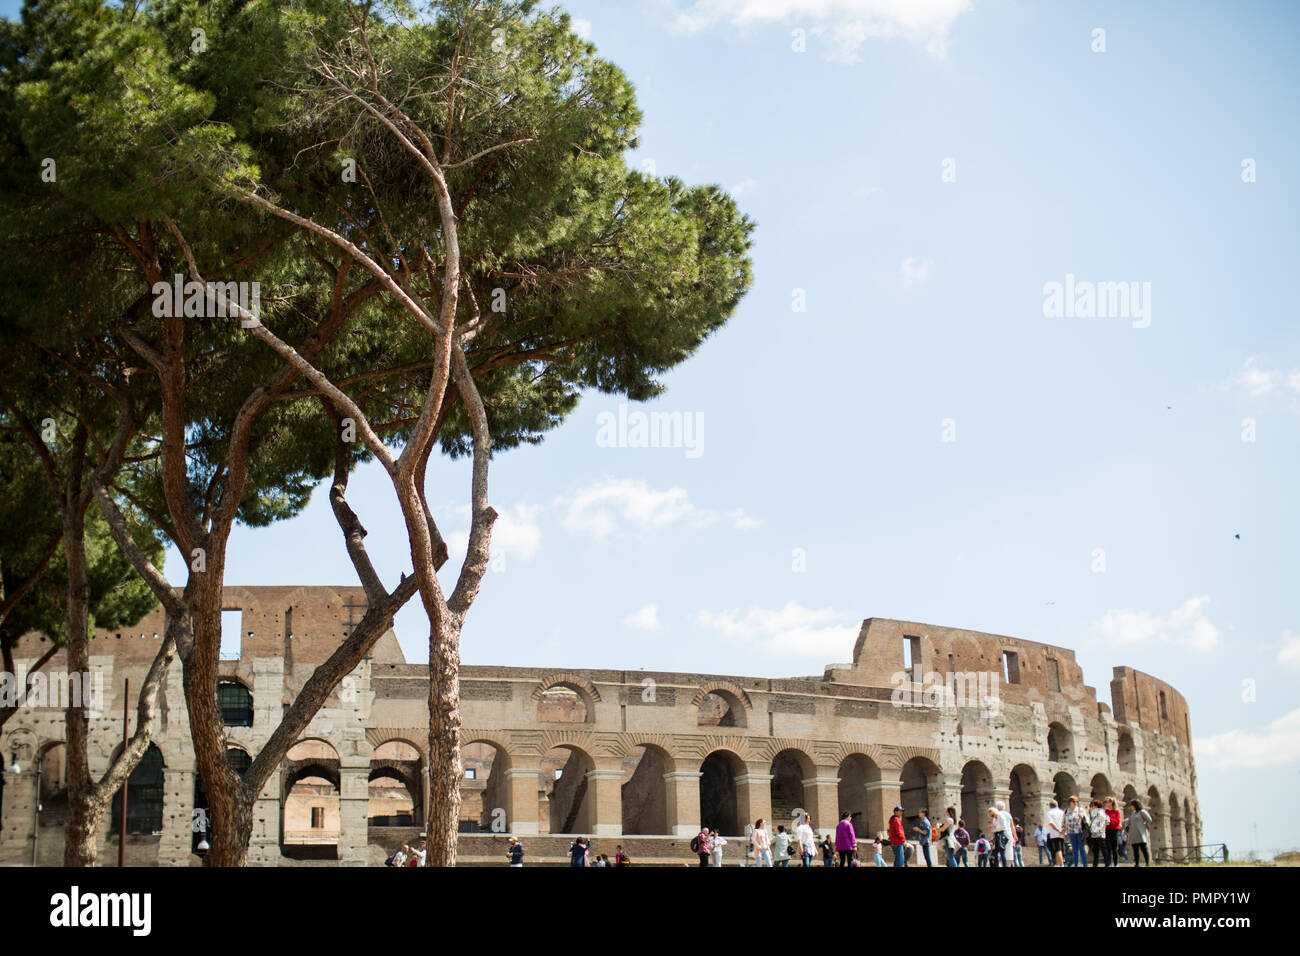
[{"x": 638, "y": 757}]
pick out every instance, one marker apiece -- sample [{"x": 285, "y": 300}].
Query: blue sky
[{"x": 824, "y": 430}]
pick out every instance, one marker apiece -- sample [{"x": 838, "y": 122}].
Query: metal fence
[{"x": 1204, "y": 853}]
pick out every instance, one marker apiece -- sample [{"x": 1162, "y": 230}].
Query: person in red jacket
[{"x": 897, "y": 838}]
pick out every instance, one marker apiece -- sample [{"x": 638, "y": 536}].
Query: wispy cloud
[
  {"x": 787, "y": 631},
  {"x": 1186, "y": 626},
  {"x": 1276, "y": 745},
  {"x": 516, "y": 533},
  {"x": 1256, "y": 382},
  {"x": 644, "y": 619},
  {"x": 626, "y": 503},
  {"x": 915, "y": 270},
  {"x": 845, "y": 25},
  {"x": 1288, "y": 655}
]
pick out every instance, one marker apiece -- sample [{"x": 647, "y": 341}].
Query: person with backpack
[
  {"x": 846, "y": 841},
  {"x": 982, "y": 852},
  {"x": 1138, "y": 825},
  {"x": 1097, "y": 833},
  {"x": 781, "y": 847},
  {"x": 963, "y": 841},
  {"x": 702, "y": 846},
  {"x": 515, "y": 852}
]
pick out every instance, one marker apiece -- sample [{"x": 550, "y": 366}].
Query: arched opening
[
  {"x": 53, "y": 812},
  {"x": 144, "y": 797},
  {"x": 311, "y": 818},
  {"x": 395, "y": 786},
  {"x": 719, "y": 803},
  {"x": 645, "y": 792},
  {"x": 1024, "y": 793},
  {"x": 976, "y": 795},
  {"x": 485, "y": 805},
  {"x": 236, "y": 703},
  {"x": 569, "y": 797},
  {"x": 239, "y": 760},
  {"x": 1063, "y": 788},
  {"x": 563, "y": 704},
  {"x": 860, "y": 795},
  {"x": 790, "y": 768},
  {"x": 921, "y": 787},
  {"x": 1126, "y": 753},
  {"x": 1060, "y": 743},
  {"x": 1101, "y": 788},
  {"x": 720, "y": 708}
]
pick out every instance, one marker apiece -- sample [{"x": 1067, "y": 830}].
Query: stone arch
[
  {"x": 235, "y": 699},
  {"x": 486, "y": 800},
  {"x": 574, "y": 682},
  {"x": 977, "y": 794},
  {"x": 920, "y": 787},
  {"x": 645, "y": 796},
  {"x": 1063, "y": 788},
  {"x": 790, "y": 767},
  {"x": 310, "y": 803},
  {"x": 1060, "y": 742},
  {"x": 400, "y": 762},
  {"x": 570, "y": 806},
  {"x": 144, "y": 796},
  {"x": 860, "y": 794},
  {"x": 721, "y": 704},
  {"x": 720, "y": 803},
  {"x": 1126, "y": 752},
  {"x": 1024, "y": 794},
  {"x": 1100, "y": 787}
]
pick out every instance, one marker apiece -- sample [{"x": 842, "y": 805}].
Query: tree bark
[{"x": 444, "y": 743}]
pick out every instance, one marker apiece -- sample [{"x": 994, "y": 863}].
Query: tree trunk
[
  {"x": 84, "y": 811},
  {"x": 230, "y": 812},
  {"x": 444, "y": 742},
  {"x": 82, "y": 832}
]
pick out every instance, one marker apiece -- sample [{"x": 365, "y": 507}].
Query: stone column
[
  {"x": 175, "y": 845},
  {"x": 682, "y": 793},
  {"x": 521, "y": 813},
  {"x": 882, "y": 796},
  {"x": 19, "y": 815},
  {"x": 354, "y": 800},
  {"x": 821, "y": 795},
  {"x": 264, "y": 847},
  {"x": 605, "y": 800},
  {"x": 754, "y": 796},
  {"x": 946, "y": 790}
]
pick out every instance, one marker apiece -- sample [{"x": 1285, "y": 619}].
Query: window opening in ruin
[
  {"x": 471, "y": 773},
  {"x": 236, "y": 704},
  {"x": 1053, "y": 674},
  {"x": 318, "y": 818},
  {"x": 911, "y": 655},
  {"x": 232, "y": 623},
  {"x": 1011, "y": 667},
  {"x": 1164, "y": 712}
]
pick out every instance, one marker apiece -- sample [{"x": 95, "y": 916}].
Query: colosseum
[{"x": 923, "y": 716}]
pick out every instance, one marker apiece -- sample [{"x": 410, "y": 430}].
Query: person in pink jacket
[{"x": 846, "y": 841}]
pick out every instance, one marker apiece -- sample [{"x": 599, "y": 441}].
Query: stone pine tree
[{"x": 491, "y": 201}]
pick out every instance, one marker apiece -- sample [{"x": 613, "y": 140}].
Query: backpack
[{"x": 695, "y": 844}]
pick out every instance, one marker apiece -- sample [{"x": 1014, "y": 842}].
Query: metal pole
[{"x": 121, "y": 832}]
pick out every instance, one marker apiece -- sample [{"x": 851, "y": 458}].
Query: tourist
[
  {"x": 1074, "y": 821},
  {"x": 878, "y": 848},
  {"x": 807, "y": 840},
  {"x": 515, "y": 852},
  {"x": 717, "y": 842},
  {"x": 1096, "y": 823},
  {"x": 846, "y": 841},
  {"x": 948, "y": 833},
  {"x": 703, "y": 846},
  {"x": 963, "y": 841},
  {"x": 621, "y": 858},
  {"x": 1019, "y": 831},
  {"x": 1137, "y": 825},
  {"x": 1040, "y": 837},
  {"x": 1112, "y": 832},
  {"x": 982, "y": 852},
  {"x": 1056, "y": 833},
  {"x": 762, "y": 845},
  {"x": 781, "y": 847},
  {"x": 401, "y": 856},
  {"x": 578, "y": 853},
  {"x": 925, "y": 832},
  {"x": 828, "y": 851},
  {"x": 421, "y": 853},
  {"x": 897, "y": 838}
]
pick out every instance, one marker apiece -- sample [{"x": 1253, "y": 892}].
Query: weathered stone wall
[{"x": 648, "y": 753}]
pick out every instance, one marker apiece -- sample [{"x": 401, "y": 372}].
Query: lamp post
[{"x": 121, "y": 830}]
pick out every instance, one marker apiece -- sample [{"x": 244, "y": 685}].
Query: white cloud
[
  {"x": 1288, "y": 655},
  {"x": 515, "y": 534},
  {"x": 1258, "y": 382},
  {"x": 915, "y": 270},
  {"x": 845, "y": 24},
  {"x": 787, "y": 631},
  {"x": 619, "y": 503},
  {"x": 1276, "y": 745},
  {"x": 1186, "y": 626},
  {"x": 745, "y": 185},
  {"x": 581, "y": 27},
  {"x": 644, "y": 619}
]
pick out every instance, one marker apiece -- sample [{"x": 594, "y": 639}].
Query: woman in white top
[
  {"x": 718, "y": 842},
  {"x": 762, "y": 845}
]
